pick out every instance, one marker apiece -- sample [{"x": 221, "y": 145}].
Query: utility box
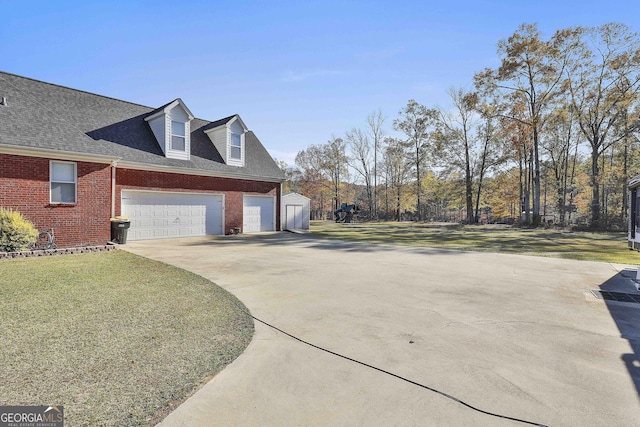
[{"x": 119, "y": 229}]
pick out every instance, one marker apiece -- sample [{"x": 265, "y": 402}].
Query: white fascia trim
[
  {"x": 55, "y": 154},
  {"x": 168, "y": 108},
  {"x": 228, "y": 125},
  {"x": 237, "y": 117},
  {"x": 297, "y": 194},
  {"x": 158, "y": 114},
  {"x": 184, "y": 171}
]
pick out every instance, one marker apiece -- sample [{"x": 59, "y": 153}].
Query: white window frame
[
  {"x": 183, "y": 136},
  {"x": 232, "y": 146},
  {"x": 74, "y": 182}
]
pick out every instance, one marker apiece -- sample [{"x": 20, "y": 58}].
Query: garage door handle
[{"x": 177, "y": 219}]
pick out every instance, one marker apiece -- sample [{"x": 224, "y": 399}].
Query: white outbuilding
[{"x": 295, "y": 212}]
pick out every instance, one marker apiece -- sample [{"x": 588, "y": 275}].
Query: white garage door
[
  {"x": 159, "y": 214},
  {"x": 259, "y": 214}
]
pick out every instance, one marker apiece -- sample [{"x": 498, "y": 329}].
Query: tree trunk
[
  {"x": 536, "y": 179},
  {"x": 480, "y": 178},
  {"x": 374, "y": 208},
  {"x": 595, "y": 188},
  {"x": 572, "y": 182},
  {"x": 561, "y": 202},
  {"x": 468, "y": 185},
  {"x": 521, "y": 188},
  {"x": 419, "y": 183},
  {"x": 625, "y": 179},
  {"x": 386, "y": 198},
  {"x": 398, "y": 206},
  {"x": 562, "y": 196}
]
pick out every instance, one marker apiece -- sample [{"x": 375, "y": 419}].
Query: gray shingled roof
[{"x": 47, "y": 116}]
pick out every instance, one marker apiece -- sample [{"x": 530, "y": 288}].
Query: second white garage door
[
  {"x": 160, "y": 214},
  {"x": 259, "y": 214}
]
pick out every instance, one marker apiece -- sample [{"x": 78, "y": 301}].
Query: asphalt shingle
[{"x": 47, "y": 116}]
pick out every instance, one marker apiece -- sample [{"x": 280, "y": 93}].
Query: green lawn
[
  {"x": 117, "y": 339},
  {"x": 609, "y": 247}
]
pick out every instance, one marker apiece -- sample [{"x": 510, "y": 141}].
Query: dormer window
[
  {"x": 236, "y": 146},
  {"x": 178, "y": 136},
  {"x": 171, "y": 125},
  {"x": 229, "y": 137}
]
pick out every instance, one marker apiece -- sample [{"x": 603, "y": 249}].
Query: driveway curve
[{"x": 509, "y": 334}]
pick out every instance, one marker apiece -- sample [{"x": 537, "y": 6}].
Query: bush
[{"x": 16, "y": 232}]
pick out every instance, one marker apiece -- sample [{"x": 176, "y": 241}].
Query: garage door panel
[
  {"x": 144, "y": 234},
  {"x": 258, "y": 214},
  {"x": 210, "y": 219},
  {"x": 156, "y": 215}
]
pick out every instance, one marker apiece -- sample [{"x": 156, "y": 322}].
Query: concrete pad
[{"x": 515, "y": 335}]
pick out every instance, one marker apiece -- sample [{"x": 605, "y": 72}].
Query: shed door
[
  {"x": 259, "y": 214},
  {"x": 161, "y": 214},
  {"x": 294, "y": 217}
]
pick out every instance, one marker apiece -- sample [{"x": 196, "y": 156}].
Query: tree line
[{"x": 551, "y": 135}]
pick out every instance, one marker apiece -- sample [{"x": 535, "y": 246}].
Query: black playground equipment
[{"x": 345, "y": 212}]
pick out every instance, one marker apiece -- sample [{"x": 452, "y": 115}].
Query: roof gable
[
  {"x": 166, "y": 109},
  {"x": 293, "y": 194}
]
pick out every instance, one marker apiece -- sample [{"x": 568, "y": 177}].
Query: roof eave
[
  {"x": 188, "y": 171},
  {"x": 64, "y": 155}
]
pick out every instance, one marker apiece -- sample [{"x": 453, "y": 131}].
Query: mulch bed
[{"x": 61, "y": 251}]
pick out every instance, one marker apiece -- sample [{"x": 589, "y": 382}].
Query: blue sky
[{"x": 297, "y": 72}]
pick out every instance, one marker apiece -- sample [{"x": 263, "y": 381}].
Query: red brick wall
[
  {"x": 233, "y": 189},
  {"x": 24, "y": 186}
]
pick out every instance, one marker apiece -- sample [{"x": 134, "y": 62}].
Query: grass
[
  {"x": 607, "y": 247},
  {"x": 119, "y": 340}
]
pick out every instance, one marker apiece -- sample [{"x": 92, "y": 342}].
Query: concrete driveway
[{"x": 513, "y": 335}]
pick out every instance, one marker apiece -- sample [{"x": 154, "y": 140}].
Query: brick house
[{"x": 70, "y": 160}]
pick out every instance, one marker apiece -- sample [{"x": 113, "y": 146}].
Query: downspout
[{"x": 114, "y": 164}]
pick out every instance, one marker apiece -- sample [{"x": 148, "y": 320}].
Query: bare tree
[
  {"x": 335, "y": 163},
  {"x": 416, "y": 122},
  {"x": 457, "y": 140},
  {"x": 396, "y": 169},
  {"x": 375, "y": 121},
  {"x": 490, "y": 153},
  {"x": 467, "y": 144},
  {"x": 327, "y": 163},
  {"x": 360, "y": 160},
  {"x": 559, "y": 142}
]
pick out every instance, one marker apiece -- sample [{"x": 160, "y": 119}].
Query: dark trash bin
[{"x": 119, "y": 228}]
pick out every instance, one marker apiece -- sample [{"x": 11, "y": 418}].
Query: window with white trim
[
  {"x": 64, "y": 179},
  {"x": 236, "y": 146},
  {"x": 178, "y": 136}
]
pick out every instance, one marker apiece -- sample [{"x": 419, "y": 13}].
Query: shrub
[{"x": 16, "y": 232}]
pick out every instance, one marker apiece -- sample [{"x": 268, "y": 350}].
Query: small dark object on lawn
[{"x": 345, "y": 213}]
